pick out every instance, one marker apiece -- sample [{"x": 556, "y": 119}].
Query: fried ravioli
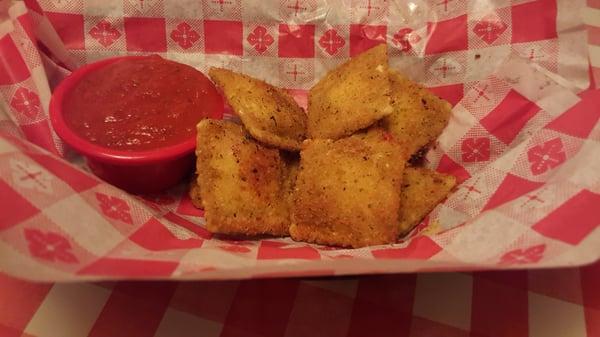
[
  {"x": 422, "y": 190},
  {"x": 269, "y": 114},
  {"x": 350, "y": 97},
  {"x": 419, "y": 116},
  {"x": 242, "y": 181},
  {"x": 346, "y": 192}
]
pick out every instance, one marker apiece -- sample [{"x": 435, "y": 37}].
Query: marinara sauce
[{"x": 140, "y": 104}]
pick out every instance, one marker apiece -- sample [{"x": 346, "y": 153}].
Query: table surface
[{"x": 560, "y": 302}]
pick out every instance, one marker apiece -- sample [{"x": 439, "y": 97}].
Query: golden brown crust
[
  {"x": 350, "y": 97},
  {"x": 422, "y": 190},
  {"x": 419, "y": 116},
  {"x": 347, "y": 191},
  {"x": 242, "y": 181},
  {"x": 268, "y": 113}
]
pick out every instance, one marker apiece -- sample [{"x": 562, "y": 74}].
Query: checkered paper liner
[{"x": 521, "y": 141}]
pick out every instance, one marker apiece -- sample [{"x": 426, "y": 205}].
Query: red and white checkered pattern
[
  {"x": 561, "y": 302},
  {"x": 523, "y": 139}
]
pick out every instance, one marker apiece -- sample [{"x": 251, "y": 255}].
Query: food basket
[{"x": 523, "y": 141}]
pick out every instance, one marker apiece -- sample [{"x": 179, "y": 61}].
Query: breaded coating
[
  {"x": 347, "y": 191},
  {"x": 268, "y": 113},
  {"x": 194, "y": 193},
  {"x": 350, "y": 97},
  {"x": 419, "y": 116},
  {"x": 241, "y": 181},
  {"x": 422, "y": 190}
]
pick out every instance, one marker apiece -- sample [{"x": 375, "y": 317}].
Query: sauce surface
[{"x": 140, "y": 104}]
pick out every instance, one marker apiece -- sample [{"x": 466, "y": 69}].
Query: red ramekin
[{"x": 148, "y": 171}]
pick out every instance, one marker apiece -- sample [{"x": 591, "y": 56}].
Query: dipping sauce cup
[{"x": 134, "y": 119}]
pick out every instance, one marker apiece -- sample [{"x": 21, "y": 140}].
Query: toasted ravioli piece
[
  {"x": 269, "y": 113},
  {"x": 241, "y": 181},
  {"x": 350, "y": 97},
  {"x": 419, "y": 116},
  {"x": 422, "y": 190},
  {"x": 346, "y": 192}
]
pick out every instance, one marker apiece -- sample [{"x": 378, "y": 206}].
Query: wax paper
[{"x": 522, "y": 141}]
